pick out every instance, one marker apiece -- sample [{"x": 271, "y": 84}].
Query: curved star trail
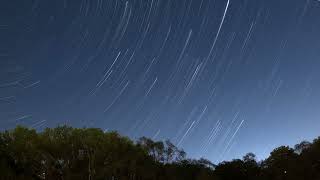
[{"x": 218, "y": 78}]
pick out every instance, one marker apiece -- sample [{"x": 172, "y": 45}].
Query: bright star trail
[{"x": 219, "y": 78}]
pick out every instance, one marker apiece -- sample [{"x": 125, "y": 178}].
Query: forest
[{"x": 67, "y": 153}]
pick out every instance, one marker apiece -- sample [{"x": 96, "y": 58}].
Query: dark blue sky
[{"x": 219, "y": 78}]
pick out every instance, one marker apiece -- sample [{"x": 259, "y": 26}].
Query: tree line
[{"x": 66, "y": 153}]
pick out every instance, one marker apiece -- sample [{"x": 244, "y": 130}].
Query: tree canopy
[{"x": 90, "y": 153}]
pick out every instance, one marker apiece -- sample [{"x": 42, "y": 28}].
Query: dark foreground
[{"x": 72, "y": 153}]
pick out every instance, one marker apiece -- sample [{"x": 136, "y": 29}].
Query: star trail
[{"x": 217, "y": 77}]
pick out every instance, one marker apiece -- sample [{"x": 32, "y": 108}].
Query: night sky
[{"x": 220, "y": 78}]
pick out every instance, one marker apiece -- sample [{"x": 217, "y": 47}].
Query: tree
[
  {"x": 281, "y": 164},
  {"x": 310, "y": 159},
  {"x": 249, "y": 157},
  {"x": 231, "y": 170},
  {"x": 299, "y": 148},
  {"x": 89, "y": 153}
]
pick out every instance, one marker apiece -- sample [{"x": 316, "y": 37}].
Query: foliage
[{"x": 89, "y": 153}]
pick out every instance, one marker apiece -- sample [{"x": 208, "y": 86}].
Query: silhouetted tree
[
  {"x": 299, "y": 148},
  {"x": 68, "y": 153},
  {"x": 281, "y": 164}
]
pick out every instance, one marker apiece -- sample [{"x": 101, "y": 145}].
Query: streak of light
[
  {"x": 219, "y": 29},
  {"x": 117, "y": 97},
  {"x": 32, "y": 85},
  {"x": 37, "y": 124},
  {"x": 185, "y": 134},
  {"x": 156, "y": 134},
  {"x": 154, "y": 82},
  {"x": 22, "y": 117}
]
